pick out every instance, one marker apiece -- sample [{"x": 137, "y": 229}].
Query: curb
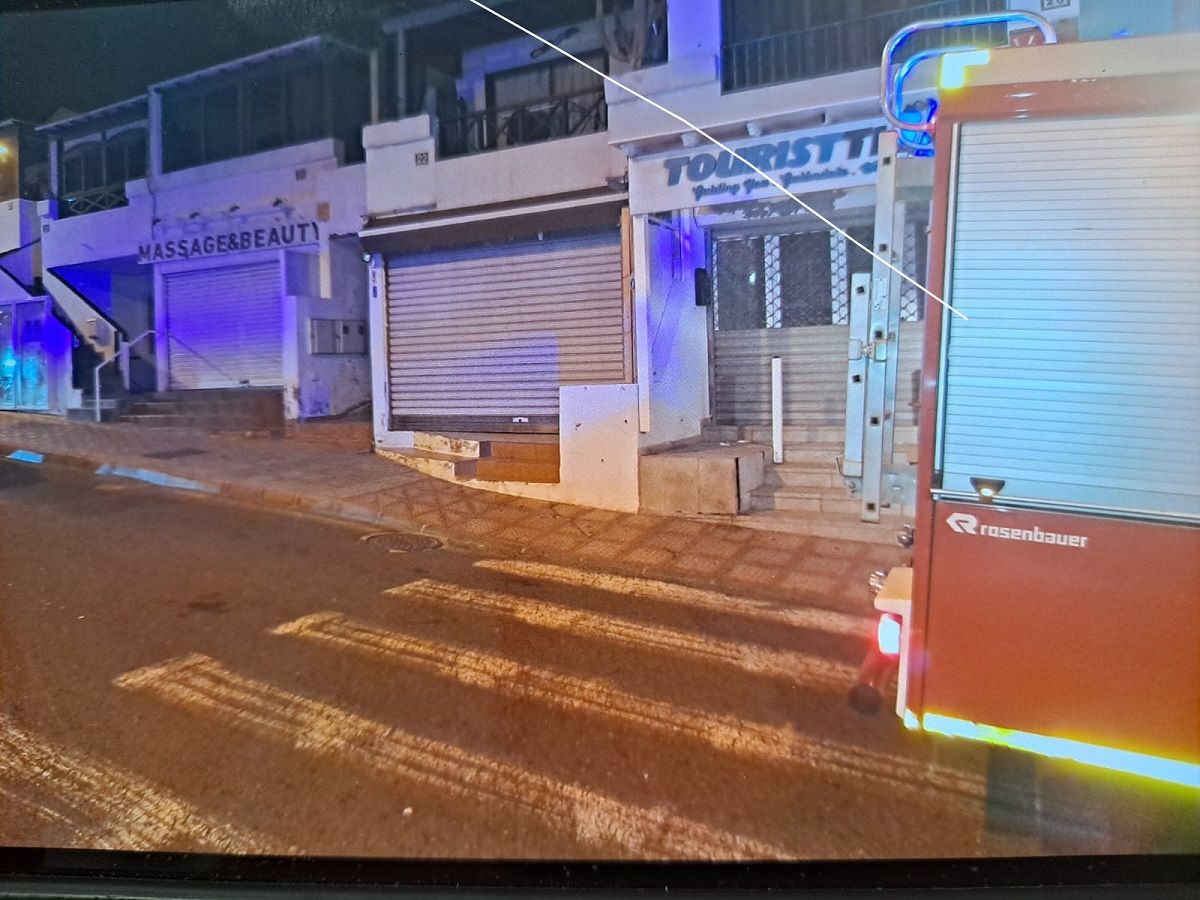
[
  {"x": 262, "y": 498},
  {"x": 833, "y": 595}
]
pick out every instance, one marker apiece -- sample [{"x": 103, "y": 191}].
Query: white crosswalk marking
[
  {"x": 809, "y": 670},
  {"x": 201, "y": 683},
  {"x": 107, "y": 808},
  {"x": 800, "y": 616},
  {"x": 596, "y": 696}
]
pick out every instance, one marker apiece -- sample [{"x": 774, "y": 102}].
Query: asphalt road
[{"x": 182, "y": 673}]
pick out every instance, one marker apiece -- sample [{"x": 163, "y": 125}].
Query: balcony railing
[
  {"x": 849, "y": 45},
  {"x": 493, "y": 129},
  {"x": 78, "y": 203}
]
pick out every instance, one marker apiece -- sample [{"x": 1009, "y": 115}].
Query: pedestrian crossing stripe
[
  {"x": 829, "y": 621},
  {"x": 99, "y": 806},
  {"x": 743, "y": 738},
  {"x": 202, "y": 684},
  {"x": 812, "y": 671}
]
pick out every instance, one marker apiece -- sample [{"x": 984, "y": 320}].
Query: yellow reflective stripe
[{"x": 1157, "y": 767}]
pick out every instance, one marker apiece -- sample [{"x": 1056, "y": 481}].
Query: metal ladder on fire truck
[
  {"x": 870, "y": 465},
  {"x": 873, "y": 470}
]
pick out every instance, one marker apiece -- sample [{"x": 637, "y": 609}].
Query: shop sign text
[
  {"x": 714, "y": 173},
  {"x": 821, "y": 159},
  {"x": 263, "y": 238}
]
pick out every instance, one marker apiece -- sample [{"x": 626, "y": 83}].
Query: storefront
[
  {"x": 780, "y": 276},
  {"x": 261, "y": 301},
  {"x": 482, "y": 334},
  {"x": 483, "y": 338}
]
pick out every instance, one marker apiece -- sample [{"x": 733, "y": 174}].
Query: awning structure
[{"x": 439, "y": 229}]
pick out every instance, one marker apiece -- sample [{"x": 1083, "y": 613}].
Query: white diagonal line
[
  {"x": 201, "y": 683},
  {"x": 594, "y": 696},
  {"x": 799, "y": 667},
  {"x": 800, "y": 616},
  {"x": 733, "y": 153},
  {"x": 107, "y": 808}
]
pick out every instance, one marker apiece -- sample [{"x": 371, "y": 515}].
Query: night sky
[{"x": 84, "y": 55}]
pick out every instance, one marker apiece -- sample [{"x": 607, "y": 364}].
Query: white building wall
[
  {"x": 404, "y": 175},
  {"x": 329, "y": 384},
  {"x": 18, "y": 224},
  {"x": 110, "y": 234}
]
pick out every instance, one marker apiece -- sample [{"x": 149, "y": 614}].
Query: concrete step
[
  {"x": 793, "y": 502},
  {"x": 438, "y": 465},
  {"x": 813, "y": 453},
  {"x": 87, "y": 413},
  {"x": 818, "y": 492},
  {"x": 522, "y": 470},
  {"x": 232, "y": 409},
  {"x": 450, "y": 445},
  {"x": 522, "y": 451},
  {"x": 798, "y": 476},
  {"x": 798, "y": 434}
]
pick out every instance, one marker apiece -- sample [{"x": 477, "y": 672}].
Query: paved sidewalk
[{"x": 359, "y": 486}]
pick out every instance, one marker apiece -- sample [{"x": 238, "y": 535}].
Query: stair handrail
[{"x": 123, "y": 350}]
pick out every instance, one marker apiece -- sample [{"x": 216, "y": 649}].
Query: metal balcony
[
  {"x": 78, "y": 203},
  {"x": 846, "y": 46},
  {"x": 494, "y": 129}
]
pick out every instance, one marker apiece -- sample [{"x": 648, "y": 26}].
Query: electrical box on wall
[
  {"x": 353, "y": 336},
  {"x": 330, "y": 336},
  {"x": 323, "y": 336}
]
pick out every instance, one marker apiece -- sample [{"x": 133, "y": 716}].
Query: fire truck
[{"x": 1052, "y": 605}]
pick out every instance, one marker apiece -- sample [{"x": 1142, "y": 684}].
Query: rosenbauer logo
[{"x": 965, "y": 523}]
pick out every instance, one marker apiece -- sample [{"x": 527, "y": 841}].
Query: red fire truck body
[{"x": 1053, "y": 603}]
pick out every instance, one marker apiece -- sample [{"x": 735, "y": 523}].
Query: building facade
[
  {"x": 542, "y": 285},
  {"x": 203, "y": 236},
  {"x": 557, "y": 262},
  {"x": 35, "y": 372},
  {"x": 501, "y": 309}
]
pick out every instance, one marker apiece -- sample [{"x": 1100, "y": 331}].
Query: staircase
[
  {"x": 805, "y": 494},
  {"x": 530, "y": 459},
  {"x": 256, "y": 410}
]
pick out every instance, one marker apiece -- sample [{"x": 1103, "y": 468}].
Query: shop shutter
[
  {"x": 487, "y": 336},
  {"x": 225, "y": 327},
  {"x": 1076, "y": 257},
  {"x": 812, "y": 285},
  {"x": 814, "y": 374}
]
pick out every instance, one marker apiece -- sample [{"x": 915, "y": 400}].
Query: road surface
[{"x": 182, "y": 673}]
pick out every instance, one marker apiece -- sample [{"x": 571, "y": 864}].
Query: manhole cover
[
  {"x": 175, "y": 454},
  {"x": 400, "y": 542}
]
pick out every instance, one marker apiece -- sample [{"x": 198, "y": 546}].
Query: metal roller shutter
[
  {"x": 225, "y": 327},
  {"x": 1076, "y": 257},
  {"x": 814, "y": 374},
  {"x": 488, "y": 336},
  {"x": 764, "y": 283}
]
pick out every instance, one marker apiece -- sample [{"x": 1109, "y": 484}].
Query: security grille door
[
  {"x": 225, "y": 327},
  {"x": 787, "y": 295},
  {"x": 1076, "y": 259},
  {"x": 485, "y": 338}
]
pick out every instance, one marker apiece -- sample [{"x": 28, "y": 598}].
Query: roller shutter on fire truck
[
  {"x": 1076, "y": 258},
  {"x": 225, "y": 326},
  {"x": 484, "y": 338}
]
